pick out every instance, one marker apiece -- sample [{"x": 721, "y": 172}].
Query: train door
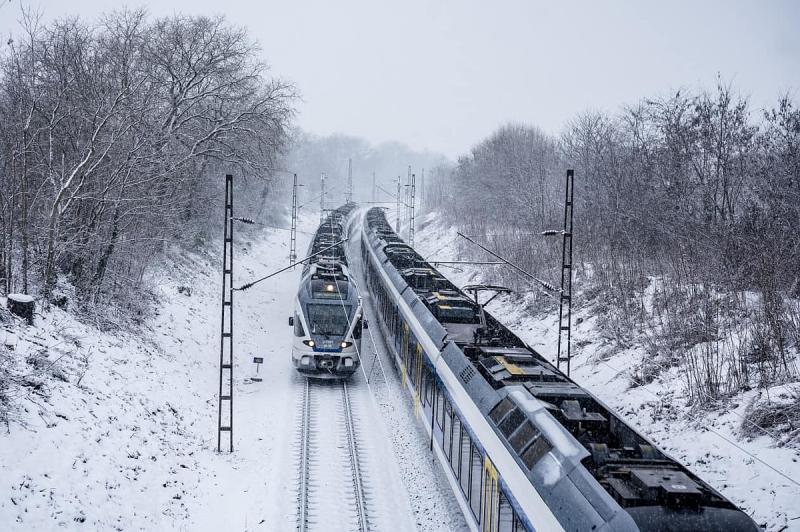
[
  {"x": 417, "y": 379},
  {"x": 491, "y": 497}
]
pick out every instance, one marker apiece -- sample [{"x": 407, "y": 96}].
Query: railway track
[{"x": 331, "y": 482}]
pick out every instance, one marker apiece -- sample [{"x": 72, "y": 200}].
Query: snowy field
[
  {"x": 118, "y": 431},
  {"x": 709, "y": 443}
]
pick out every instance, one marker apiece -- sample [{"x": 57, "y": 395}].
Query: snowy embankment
[
  {"x": 117, "y": 430},
  {"x": 748, "y": 470}
]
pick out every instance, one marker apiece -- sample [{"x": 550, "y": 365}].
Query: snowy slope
[
  {"x": 133, "y": 446},
  {"x": 709, "y": 443}
]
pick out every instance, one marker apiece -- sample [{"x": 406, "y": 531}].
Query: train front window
[{"x": 328, "y": 320}]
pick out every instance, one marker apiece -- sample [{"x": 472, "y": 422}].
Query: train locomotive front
[{"x": 327, "y": 319}]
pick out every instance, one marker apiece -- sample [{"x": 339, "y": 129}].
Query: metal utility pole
[
  {"x": 373, "y": 187},
  {"x": 226, "y": 329},
  {"x": 293, "y": 233},
  {"x": 565, "y": 303},
  {"x": 406, "y": 194},
  {"x": 411, "y": 211},
  {"x": 422, "y": 189},
  {"x": 322, "y": 198},
  {"x": 397, "y": 212},
  {"x": 349, "y": 195}
]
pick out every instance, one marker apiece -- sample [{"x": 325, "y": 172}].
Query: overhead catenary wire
[
  {"x": 712, "y": 430},
  {"x": 544, "y": 284},
  {"x": 394, "y": 196},
  {"x": 250, "y": 221},
  {"x": 706, "y": 428},
  {"x": 250, "y": 284},
  {"x": 355, "y": 344}
]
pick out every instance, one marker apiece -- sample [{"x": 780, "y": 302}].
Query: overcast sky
[{"x": 442, "y": 74}]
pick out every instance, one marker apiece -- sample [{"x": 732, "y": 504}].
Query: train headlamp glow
[
  {"x": 309, "y": 343},
  {"x": 345, "y": 344},
  {"x": 329, "y": 288}
]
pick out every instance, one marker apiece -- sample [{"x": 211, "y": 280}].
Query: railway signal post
[{"x": 257, "y": 361}]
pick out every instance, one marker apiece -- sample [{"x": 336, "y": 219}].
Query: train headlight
[
  {"x": 309, "y": 343},
  {"x": 348, "y": 362},
  {"x": 305, "y": 361},
  {"x": 329, "y": 288},
  {"x": 345, "y": 344}
]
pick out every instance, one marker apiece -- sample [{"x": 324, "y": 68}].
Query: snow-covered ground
[
  {"x": 118, "y": 430},
  {"x": 749, "y": 471}
]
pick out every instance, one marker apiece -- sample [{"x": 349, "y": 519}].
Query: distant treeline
[
  {"x": 687, "y": 227},
  {"x": 115, "y": 137}
]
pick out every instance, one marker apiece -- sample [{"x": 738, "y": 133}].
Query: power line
[
  {"x": 250, "y": 284},
  {"x": 705, "y": 427},
  {"x": 543, "y": 284}
]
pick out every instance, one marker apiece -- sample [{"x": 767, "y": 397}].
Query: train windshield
[{"x": 329, "y": 320}]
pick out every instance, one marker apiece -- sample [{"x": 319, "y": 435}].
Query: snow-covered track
[
  {"x": 331, "y": 492},
  {"x": 355, "y": 466},
  {"x": 304, "y": 442}
]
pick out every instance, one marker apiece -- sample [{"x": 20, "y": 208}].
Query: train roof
[{"x": 575, "y": 449}]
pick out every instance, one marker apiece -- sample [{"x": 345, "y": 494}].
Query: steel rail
[
  {"x": 355, "y": 466},
  {"x": 305, "y": 440}
]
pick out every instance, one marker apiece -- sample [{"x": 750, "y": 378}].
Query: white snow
[
  {"x": 116, "y": 430},
  {"x": 21, "y": 298}
]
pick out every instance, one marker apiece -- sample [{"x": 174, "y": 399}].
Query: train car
[
  {"x": 522, "y": 445},
  {"x": 327, "y": 317}
]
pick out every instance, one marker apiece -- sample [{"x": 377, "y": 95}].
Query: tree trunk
[
  {"x": 102, "y": 264},
  {"x": 3, "y": 277},
  {"x": 22, "y": 305},
  {"x": 49, "y": 275},
  {"x": 24, "y": 226}
]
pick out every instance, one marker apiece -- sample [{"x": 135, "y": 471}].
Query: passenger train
[
  {"x": 327, "y": 318},
  {"x": 522, "y": 445}
]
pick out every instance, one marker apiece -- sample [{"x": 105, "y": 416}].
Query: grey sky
[{"x": 442, "y": 74}]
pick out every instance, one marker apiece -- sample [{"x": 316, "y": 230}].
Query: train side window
[
  {"x": 502, "y": 408},
  {"x": 523, "y": 436},
  {"x": 464, "y": 469},
  {"x": 440, "y": 408},
  {"x": 513, "y": 420},
  {"x": 536, "y": 451},
  {"x": 476, "y": 481},
  {"x": 298, "y": 326},
  {"x": 429, "y": 383},
  {"x": 455, "y": 444},
  {"x": 447, "y": 430},
  {"x": 505, "y": 517}
]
